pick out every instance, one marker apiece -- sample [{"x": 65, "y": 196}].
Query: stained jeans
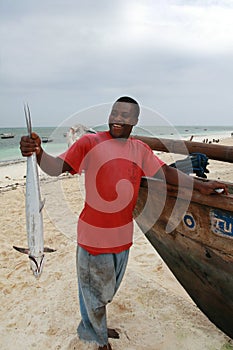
[{"x": 99, "y": 277}]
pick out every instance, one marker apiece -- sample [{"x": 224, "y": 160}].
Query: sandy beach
[{"x": 151, "y": 310}]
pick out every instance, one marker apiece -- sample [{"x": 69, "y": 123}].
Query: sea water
[
  {"x": 10, "y": 152},
  {"x": 9, "y": 148}
]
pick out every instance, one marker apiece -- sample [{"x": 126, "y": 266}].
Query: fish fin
[
  {"x": 42, "y": 205},
  {"x": 26, "y": 250},
  {"x": 21, "y": 250},
  {"x": 49, "y": 250}
]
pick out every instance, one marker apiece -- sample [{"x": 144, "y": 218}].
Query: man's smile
[{"x": 118, "y": 126}]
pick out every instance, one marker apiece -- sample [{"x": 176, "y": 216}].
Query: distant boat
[
  {"x": 7, "y": 136},
  {"x": 45, "y": 139}
]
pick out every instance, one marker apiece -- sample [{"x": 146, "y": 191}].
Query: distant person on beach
[{"x": 113, "y": 163}]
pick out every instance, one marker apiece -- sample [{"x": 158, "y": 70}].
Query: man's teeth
[{"x": 117, "y": 125}]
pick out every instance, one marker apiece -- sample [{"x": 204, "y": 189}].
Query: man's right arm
[{"x": 53, "y": 166}]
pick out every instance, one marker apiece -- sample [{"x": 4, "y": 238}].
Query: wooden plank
[{"x": 212, "y": 151}]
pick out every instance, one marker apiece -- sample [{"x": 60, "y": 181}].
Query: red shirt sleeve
[{"x": 75, "y": 155}]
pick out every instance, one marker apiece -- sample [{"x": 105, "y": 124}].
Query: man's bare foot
[
  {"x": 105, "y": 347},
  {"x": 112, "y": 333}
]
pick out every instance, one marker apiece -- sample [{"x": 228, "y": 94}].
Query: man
[{"x": 113, "y": 163}]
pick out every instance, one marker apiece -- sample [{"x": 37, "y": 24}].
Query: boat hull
[
  {"x": 7, "y": 136},
  {"x": 193, "y": 235}
]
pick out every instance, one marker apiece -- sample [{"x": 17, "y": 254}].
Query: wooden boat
[
  {"x": 193, "y": 233},
  {"x": 213, "y": 151}
]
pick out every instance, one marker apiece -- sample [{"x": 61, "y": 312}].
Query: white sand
[{"x": 151, "y": 310}]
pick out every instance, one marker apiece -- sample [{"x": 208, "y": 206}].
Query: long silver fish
[{"x": 34, "y": 206}]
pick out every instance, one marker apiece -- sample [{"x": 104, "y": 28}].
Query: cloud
[{"x": 75, "y": 54}]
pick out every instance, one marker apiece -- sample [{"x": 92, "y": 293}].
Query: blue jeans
[{"x": 99, "y": 277}]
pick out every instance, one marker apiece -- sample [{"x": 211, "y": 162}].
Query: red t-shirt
[{"x": 113, "y": 170}]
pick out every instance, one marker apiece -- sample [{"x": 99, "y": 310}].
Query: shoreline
[
  {"x": 13, "y": 173},
  {"x": 55, "y": 148}
]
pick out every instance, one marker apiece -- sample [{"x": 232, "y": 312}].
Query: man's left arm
[{"x": 176, "y": 177}]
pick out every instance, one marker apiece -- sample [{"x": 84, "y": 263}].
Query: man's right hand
[
  {"x": 29, "y": 145},
  {"x": 53, "y": 166}
]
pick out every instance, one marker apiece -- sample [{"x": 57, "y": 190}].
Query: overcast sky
[{"x": 63, "y": 56}]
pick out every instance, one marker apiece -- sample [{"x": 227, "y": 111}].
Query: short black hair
[{"x": 128, "y": 99}]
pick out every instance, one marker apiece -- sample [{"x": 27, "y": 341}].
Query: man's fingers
[
  {"x": 34, "y": 136},
  {"x": 27, "y": 154}
]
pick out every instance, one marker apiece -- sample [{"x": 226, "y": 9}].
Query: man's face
[{"x": 122, "y": 119}]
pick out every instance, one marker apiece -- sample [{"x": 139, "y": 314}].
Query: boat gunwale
[{"x": 226, "y": 202}]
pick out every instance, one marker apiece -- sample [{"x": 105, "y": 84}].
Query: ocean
[{"x": 9, "y": 148}]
